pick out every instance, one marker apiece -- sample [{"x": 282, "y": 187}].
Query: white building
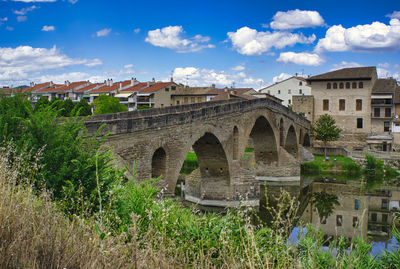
[{"x": 287, "y": 88}]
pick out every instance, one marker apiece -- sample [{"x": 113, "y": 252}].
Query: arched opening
[
  {"x": 159, "y": 163},
  {"x": 335, "y": 85},
  {"x": 301, "y": 137},
  {"x": 281, "y": 133},
  {"x": 328, "y": 85},
  {"x": 306, "y": 142},
  {"x": 264, "y": 142},
  {"x": 354, "y": 85},
  {"x": 291, "y": 142},
  {"x": 360, "y": 85},
  {"x": 235, "y": 143},
  {"x": 341, "y": 85},
  {"x": 347, "y": 85}
]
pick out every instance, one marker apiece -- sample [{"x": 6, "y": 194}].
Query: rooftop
[
  {"x": 365, "y": 73},
  {"x": 155, "y": 87},
  {"x": 385, "y": 85}
]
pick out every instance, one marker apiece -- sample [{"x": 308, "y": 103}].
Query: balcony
[{"x": 382, "y": 102}]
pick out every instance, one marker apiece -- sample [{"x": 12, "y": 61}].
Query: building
[
  {"x": 156, "y": 94},
  {"x": 285, "y": 89},
  {"x": 345, "y": 94}
]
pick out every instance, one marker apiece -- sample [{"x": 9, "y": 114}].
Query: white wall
[{"x": 286, "y": 89}]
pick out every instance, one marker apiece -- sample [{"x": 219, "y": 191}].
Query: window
[
  {"x": 347, "y": 85},
  {"x": 325, "y": 106},
  {"x": 173, "y": 88},
  {"x": 335, "y": 85},
  {"x": 384, "y": 204},
  {"x": 357, "y": 204},
  {"x": 289, "y": 101},
  {"x": 177, "y": 103},
  {"x": 374, "y": 217},
  {"x": 162, "y": 105},
  {"x": 384, "y": 218},
  {"x": 341, "y": 85},
  {"x": 388, "y": 112},
  {"x": 289, "y": 91},
  {"x": 386, "y": 126},
  {"x": 328, "y": 86},
  {"x": 359, "y": 123},
  {"x": 186, "y": 100},
  {"x": 377, "y": 112},
  {"x": 354, "y": 85},
  {"x": 279, "y": 91},
  {"x": 300, "y": 83},
  {"x": 360, "y": 85},
  {"x": 167, "y": 89},
  {"x": 358, "y": 104},
  {"x": 199, "y": 99},
  {"x": 355, "y": 222},
  {"x": 192, "y": 100},
  {"x": 342, "y": 104},
  {"x": 339, "y": 220},
  {"x": 300, "y": 91}
]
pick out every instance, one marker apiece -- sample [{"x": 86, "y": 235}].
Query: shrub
[
  {"x": 310, "y": 167},
  {"x": 352, "y": 168}
]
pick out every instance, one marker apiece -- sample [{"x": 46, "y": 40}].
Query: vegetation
[
  {"x": 82, "y": 108},
  {"x": 105, "y": 104},
  {"x": 342, "y": 164},
  {"x": 325, "y": 129},
  {"x": 190, "y": 163}
]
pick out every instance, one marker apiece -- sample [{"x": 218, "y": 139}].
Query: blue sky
[{"x": 245, "y": 43}]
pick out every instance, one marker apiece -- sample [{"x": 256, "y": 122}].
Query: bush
[
  {"x": 310, "y": 167},
  {"x": 352, "y": 168},
  {"x": 107, "y": 104}
]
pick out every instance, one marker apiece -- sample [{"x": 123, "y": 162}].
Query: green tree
[
  {"x": 325, "y": 129},
  {"x": 42, "y": 103},
  {"x": 82, "y": 108},
  {"x": 66, "y": 108},
  {"x": 107, "y": 104},
  {"x": 12, "y": 112}
]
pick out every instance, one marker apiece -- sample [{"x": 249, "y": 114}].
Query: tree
[
  {"x": 325, "y": 129},
  {"x": 106, "y": 104},
  {"x": 42, "y": 103},
  {"x": 67, "y": 107},
  {"x": 82, "y": 108}
]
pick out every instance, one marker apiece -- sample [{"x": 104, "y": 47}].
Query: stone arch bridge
[{"x": 158, "y": 140}]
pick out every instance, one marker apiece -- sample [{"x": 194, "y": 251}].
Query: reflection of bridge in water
[{"x": 158, "y": 140}]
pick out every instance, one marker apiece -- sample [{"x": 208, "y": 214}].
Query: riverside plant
[{"x": 139, "y": 229}]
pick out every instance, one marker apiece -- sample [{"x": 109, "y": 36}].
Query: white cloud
[
  {"x": 3, "y": 19},
  {"x": 345, "y": 64},
  {"x": 373, "y": 37},
  {"x": 302, "y": 58},
  {"x": 24, "y": 61},
  {"x": 103, "y": 32},
  {"x": 94, "y": 62},
  {"x": 238, "y": 68},
  {"x": 293, "y": 19},
  {"x": 206, "y": 77},
  {"x": 60, "y": 78},
  {"x": 21, "y": 18},
  {"x": 73, "y": 1},
  {"x": 9, "y": 28},
  {"x": 127, "y": 66},
  {"x": 394, "y": 15},
  {"x": 280, "y": 77},
  {"x": 170, "y": 37},
  {"x": 384, "y": 73},
  {"x": 248, "y": 41},
  {"x": 384, "y": 65},
  {"x": 48, "y": 28},
  {"x": 25, "y": 10},
  {"x": 136, "y": 31}
]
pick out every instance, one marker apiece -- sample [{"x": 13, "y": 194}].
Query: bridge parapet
[{"x": 127, "y": 122}]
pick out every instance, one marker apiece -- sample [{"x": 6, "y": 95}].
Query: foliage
[
  {"x": 82, "y": 108},
  {"x": 310, "y": 167},
  {"x": 324, "y": 203},
  {"x": 12, "y": 110},
  {"x": 41, "y": 103},
  {"x": 374, "y": 169},
  {"x": 66, "y": 108},
  {"x": 325, "y": 129},
  {"x": 190, "y": 163},
  {"x": 105, "y": 104},
  {"x": 352, "y": 169},
  {"x": 142, "y": 107}
]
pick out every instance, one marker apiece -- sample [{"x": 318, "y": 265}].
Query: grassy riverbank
[{"x": 335, "y": 164}]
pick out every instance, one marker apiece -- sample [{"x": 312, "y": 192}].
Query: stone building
[
  {"x": 345, "y": 94},
  {"x": 287, "y": 88}
]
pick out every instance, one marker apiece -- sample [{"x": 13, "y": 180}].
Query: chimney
[
  {"x": 68, "y": 83},
  {"x": 172, "y": 79},
  {"x": 32, "y": 84},
  {"x": 154, "y": 80},
  {"x": 111, "y": 82},
  {"x": 132, "y": 82},
  {"x": 51, "y": 83}
]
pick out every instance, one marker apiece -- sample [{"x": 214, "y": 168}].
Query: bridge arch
[
  {"x": 264, "y": 142},
  {"x": 307, "y": 142},
  {"x": 159, "y": 163},
  {"x": 281, "y": 133},
  {"x": 235, "y": 143},
  {"x": 291, "y": 141}
]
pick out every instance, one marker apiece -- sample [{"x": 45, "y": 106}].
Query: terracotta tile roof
[
  {"x": 106, "y": 88},
  {"x": 88, "y": 88},
  {"x": 155, "y": 87},
  {"x": 54, "y": 88},
  {"x": 183, "y": 91},
  {"x": 240, "y": 91},
  {"x": 228, "y": 95},
  {"x": 347, "y": 73},
  {"x": 215, "y": 91},
  {"x": 135, "y": 88},
  {"x": 37, "y": 87},
  {"x": 384, "y": 85}
]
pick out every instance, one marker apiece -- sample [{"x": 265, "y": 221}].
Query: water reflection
[{"x": 348, "y": 208}]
